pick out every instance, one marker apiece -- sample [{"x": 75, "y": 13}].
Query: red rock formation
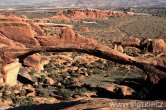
[
  {"x": 12, "y": 69},
  {"x": 21, "y": 32},
  {"x": 36, "y": 28},
  {"x": 15, "y": 29},
  {"x": 84, "y": 29},
  {"x": 60, "y": 17},
  {"x": 158, "y": 46},
  {"x": 151, "y": 45},
  {"x": 132, "y": 42},
  {"x": 33, "y": 61},
  {"x": 9, "y": 42},
  {"x": 88, "y": 14}
]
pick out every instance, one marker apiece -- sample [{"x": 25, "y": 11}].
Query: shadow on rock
[
  {"x": 58, "y": 106},
  {"x": 156, "y": 92}
]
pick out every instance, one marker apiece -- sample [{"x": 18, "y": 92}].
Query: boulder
[
  {"x": 50, "y": 81},
  {"x": 10, "y": 73},
  {"x": 120, "y": 90},
  {"x": 84, "y": 29},
  {"x": 132, "y": 42},
  {"x": 158, "y": 46},
  {"x": 33, "y": 61}
]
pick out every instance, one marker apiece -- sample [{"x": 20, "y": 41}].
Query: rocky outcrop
[
  {"x": 8, "y": 42},
  {"x": 88, "y": 14},
  {"x": 155, "y": 46},
  {"x": 158, "y": 46},
  {"x": 132, "y": 42},
  {"x": 84, "y": 29},
  {"x": 36, "y": 28},
  {"x": 18, "y": 31},
  {"x": 33, "y": 61},
  {"x": 12, "y": 70},
  {"x": 123, "y": 90}
]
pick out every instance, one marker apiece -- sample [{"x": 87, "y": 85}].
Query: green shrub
[
  {"x": 12, "y": 96},
  {"x": 66, "y": 95},
  {"x": 76, "y": 64},
  {"x": 31, "y": 73},
  {"x": 42, "y": 79},
  {"x": 72, "y": 73},
  {"x": 43, "y": 93},
  {"x": 55, "y": 77},
  {"x": 23, "y": 101}
]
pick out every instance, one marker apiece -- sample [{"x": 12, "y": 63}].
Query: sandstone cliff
[{"x": 88, "y": 14}]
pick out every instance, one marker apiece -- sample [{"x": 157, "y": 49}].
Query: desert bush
[
  {"x": 76, "y": 63},
  {"x": 97, "y": 71},
  {"x": 72, "y": 73},
  {"x": 55, "y": 77},
  {"x": 43, "y": 93},
  {"x": 23, "y": 101},
  {"x": 66, "y": 95},
  {"x": 31, "y": 73},
  {"x": 42, "y": 79}
]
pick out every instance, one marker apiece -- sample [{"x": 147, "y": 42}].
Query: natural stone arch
[
  {"x": 65, "y": 42},
  {"x": 91, "y": 47}
]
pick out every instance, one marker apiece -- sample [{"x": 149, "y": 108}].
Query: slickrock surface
[{"x": 101, "y": 104}]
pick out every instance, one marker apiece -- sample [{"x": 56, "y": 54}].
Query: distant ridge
[{"x": 32, "y": 4}]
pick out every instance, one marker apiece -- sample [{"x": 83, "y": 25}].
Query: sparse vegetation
[
  {"x": 117, "y": 29},
  {"x": 65, "y": 94},
  {"x": 31, "y": 73},
  {"x": 23, "y": 101},
  {"x": 65, "y": 76},
  {"x": 42, "y": 79}
]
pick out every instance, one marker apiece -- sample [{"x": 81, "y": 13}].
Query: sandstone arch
[{"x": 67, "y": 41}]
